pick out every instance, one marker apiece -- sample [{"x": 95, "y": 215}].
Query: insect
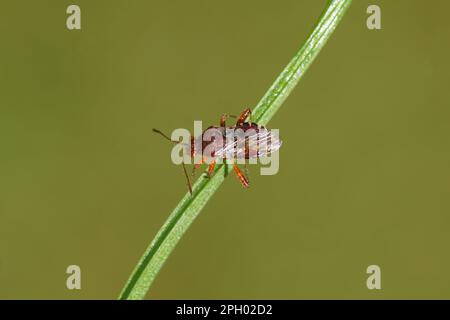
[{"x": 256, "y": 141}]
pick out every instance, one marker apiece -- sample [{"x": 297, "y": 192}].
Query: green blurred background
[{"x": 364, "y": 175}]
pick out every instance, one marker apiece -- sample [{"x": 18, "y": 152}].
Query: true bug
[{"x": 227, "y": 148}]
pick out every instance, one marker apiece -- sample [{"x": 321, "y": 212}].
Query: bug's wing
[
  {"x": 267, "y": 142},
  {"x": 235, "y": 148},
  {"x": 227, "y": 150},
  {"x": 260, "y": 144}
]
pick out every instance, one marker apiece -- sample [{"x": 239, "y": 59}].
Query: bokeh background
[{"x": 364, "y": 175}]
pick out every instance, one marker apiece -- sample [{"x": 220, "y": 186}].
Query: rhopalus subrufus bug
[{"x": 245, "y": 140}]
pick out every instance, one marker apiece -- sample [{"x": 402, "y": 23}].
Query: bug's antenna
[
  {"x": 157, "y": 131},
  {"x": 187, "y": 179},
  {"x": 184, "y": 166}
]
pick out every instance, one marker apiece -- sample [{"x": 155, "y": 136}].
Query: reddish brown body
[
  {"x": 247, "y": 151},
  {"x": 223, "y": 149},
  {"x": 217, "y": 145}
]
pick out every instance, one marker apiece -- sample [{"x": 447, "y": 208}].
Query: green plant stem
[{"x": 190, "y": 206}]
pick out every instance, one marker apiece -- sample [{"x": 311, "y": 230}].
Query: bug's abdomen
[{"x": 246, "y": 141}]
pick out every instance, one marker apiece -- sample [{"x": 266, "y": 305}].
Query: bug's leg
[
  {"x": 244, "y": 115},
  {"x": 246, "y": 172},
  {"x": 211, "y": 168},
  {"x": 196, "y": 166},
  {"x": 241, "y": 176},
  {"x": 224, "y": 118}
]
